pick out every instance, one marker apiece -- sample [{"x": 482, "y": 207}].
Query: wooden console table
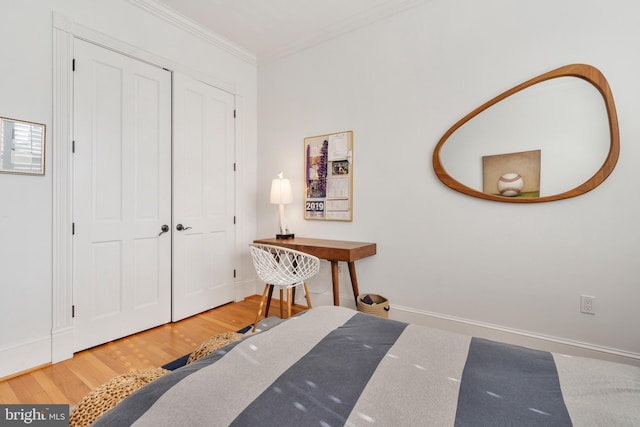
[{"x": 331, "y": 250}]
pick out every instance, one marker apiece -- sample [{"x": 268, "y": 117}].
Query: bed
[{"x": 332, "y": 366}]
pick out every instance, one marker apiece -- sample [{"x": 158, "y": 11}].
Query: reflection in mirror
[
  {"x": 21, "y": 147},
  {"x": 565, "y": 117}
]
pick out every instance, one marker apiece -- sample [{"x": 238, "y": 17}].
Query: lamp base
[{"x": 285, "y": 236}]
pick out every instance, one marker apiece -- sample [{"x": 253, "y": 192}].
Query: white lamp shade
[{"x": 281, "y": 191}]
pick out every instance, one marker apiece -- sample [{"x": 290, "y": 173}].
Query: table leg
[
  {"x": 266, "y": 313},
  {"x": 354, "y": 280},
  {"x": 282, "y": 304},
  {"x": 336, "y": 282}
]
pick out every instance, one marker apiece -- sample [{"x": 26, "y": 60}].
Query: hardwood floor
[{"x": 70, "y": 380}]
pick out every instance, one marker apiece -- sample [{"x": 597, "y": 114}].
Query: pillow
[
  {"x": 109, "y": 394},
  {"x": 213, "y": 344}
]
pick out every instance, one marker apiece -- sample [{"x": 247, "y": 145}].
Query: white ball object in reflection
[{"x": 510, "y": 184}]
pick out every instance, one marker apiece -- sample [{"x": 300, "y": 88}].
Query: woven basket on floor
[
  {"x": 380, "y": 308},
  {"x": 213, "y": 344},
  {"x": 109, "y": 394}
]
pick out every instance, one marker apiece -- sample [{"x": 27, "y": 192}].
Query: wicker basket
[{"x": 379, "y": 308}]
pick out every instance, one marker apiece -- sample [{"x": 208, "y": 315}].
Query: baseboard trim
[
  {"x": 25, "y": 356},
  {"x": 62, "y": 344},
  {"x": 244, "y": 288},
  {"x": 512, "y": 336}
]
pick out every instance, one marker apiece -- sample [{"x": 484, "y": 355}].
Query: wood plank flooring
[{"x": 69, "y": 381}]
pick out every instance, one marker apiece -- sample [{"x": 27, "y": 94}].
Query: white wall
[
  {"x": 399, "y": 84},
  {"x": 26, "y": 201}
]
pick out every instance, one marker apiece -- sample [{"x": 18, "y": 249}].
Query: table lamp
[{"x": 281, "y": 195}]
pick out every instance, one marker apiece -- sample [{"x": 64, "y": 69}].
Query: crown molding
[
  {"x": 342, "y": 27},
  {"x": 182, "y": 22}
]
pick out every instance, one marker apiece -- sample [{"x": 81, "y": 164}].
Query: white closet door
[
  {"x": 121, "y": 195},
  {"x": 203, "y": 197}
]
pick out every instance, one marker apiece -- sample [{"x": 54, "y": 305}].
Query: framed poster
[{"x": 328, "y": 189}]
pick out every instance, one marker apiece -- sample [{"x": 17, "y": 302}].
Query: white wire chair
[{"x": 284, "y": 268}]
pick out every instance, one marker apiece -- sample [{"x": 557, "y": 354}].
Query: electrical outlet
[{"x": 587, "y": 304}]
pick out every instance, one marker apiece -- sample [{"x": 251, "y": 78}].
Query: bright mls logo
[{"x": 34, "y": 415}]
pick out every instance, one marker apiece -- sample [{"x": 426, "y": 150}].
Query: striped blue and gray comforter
[{"x": 332, "y": 366}]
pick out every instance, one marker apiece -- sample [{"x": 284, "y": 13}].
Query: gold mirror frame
[{"x": 583, "y": 71}]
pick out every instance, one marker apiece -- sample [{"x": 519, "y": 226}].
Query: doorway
[{"x": 149, "y": 238}]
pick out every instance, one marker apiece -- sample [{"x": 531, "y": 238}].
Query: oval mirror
[{"x": 550, "y": 138}]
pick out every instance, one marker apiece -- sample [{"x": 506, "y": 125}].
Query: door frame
[{"x": 64, "y": 33}]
